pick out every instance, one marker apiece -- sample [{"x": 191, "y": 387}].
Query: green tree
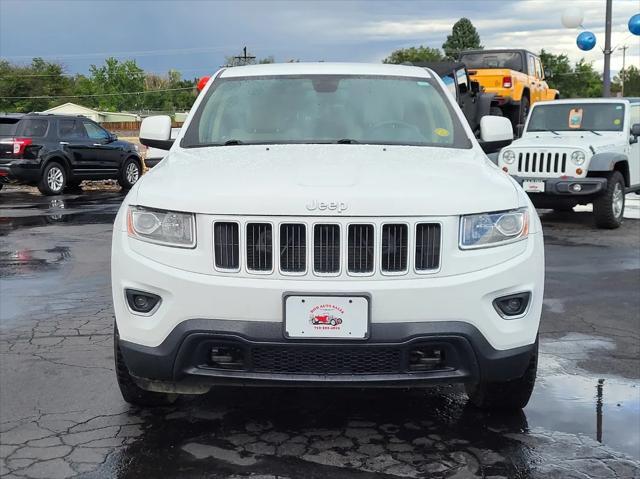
[
  {"x": 464, "y": 36},
  {"x": 414, "y": 55},
  {"x": 579, "y": 80},
  {"x": 631, "y": 81},
  {"x": 39, "y": 79},
  {"x": 113, "y": 80}
]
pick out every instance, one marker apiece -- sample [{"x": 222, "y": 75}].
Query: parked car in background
[
  {"x": 348, "y": 191},
  {"x": 577, "y": 152},
  {"x": 153, "y": 156},
  {"x": 516, "y": 77},
  {"x": 54, "y": 152},
  {"x": 472, "y": 100}
]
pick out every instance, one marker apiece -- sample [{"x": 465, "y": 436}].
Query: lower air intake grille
[
  {"x": 327, "y": 360},
  {"x": 259, "y": 247},
  {"x": 427, "y": 246},
  {"x": 326, "y": 248},
  {"x": 293, "y": 248},
  {"x": 394, "y": 248},
  {"x": 360, "y": 250},
  {"x": 226, "y": 246}
]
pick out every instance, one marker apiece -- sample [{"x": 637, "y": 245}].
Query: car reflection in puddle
[{"x": 27, "y": 261}]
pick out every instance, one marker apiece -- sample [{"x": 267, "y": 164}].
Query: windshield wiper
[
  {"x": 232, "y": 142},
  {"x": 347, "y": 141},
  {"x": 555, "y": 132},
  {"x": 595, "y": 132}
]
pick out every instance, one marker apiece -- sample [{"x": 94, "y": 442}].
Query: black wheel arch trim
[{"x": 607, "y": 162}]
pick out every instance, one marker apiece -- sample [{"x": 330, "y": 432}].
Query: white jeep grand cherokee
[
  {"x": 326, "y": 225},
  {"x": 579, "y": 151}
]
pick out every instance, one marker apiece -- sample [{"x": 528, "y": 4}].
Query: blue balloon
[
  {"x": 634, "y": 24},
  {"x": 586, "y": 41}
]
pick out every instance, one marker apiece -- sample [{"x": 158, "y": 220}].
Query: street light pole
[
  {"x": 607, "y": 52},
  {"x": 623, "y": 73}
]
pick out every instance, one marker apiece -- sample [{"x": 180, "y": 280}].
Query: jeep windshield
[
  {"x": 325, "y": 109},
  {"x": 480, "y": 60},
  {"x": 577, "y": 117}
]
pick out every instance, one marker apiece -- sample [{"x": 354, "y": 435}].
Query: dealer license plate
[
  {"x": 326, "y": 317},
  {"x": 533, "y": 186}
]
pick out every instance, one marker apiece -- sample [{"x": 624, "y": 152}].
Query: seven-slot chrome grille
[
  {"x": 542, "y": 163},
  {"x": 327, "y": 249}
]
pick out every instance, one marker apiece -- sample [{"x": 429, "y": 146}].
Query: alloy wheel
[
  {"x": 55, "y": 179},
  {"x": 132, "y": 173}
]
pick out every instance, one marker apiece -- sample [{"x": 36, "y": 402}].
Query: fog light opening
[
  {"x": 576, "y": 187},
  {"x": 426, "y": 358},
  {"x": 512, "y": 306},
  {"x": 142, "y": 302},
  {"x": 226, "y": 357}
]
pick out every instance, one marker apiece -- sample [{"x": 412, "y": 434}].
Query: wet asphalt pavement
[{"x": 61, "y": 413}]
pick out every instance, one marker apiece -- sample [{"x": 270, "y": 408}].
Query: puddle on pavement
[
  {"x": 571, "y": 400},
  {"x": 28, "y": 261},
  {"x": 77, "y": 210}
]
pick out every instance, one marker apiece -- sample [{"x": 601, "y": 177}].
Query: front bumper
[
  {"x": 564, "y": 186},
  {"x": 384, "y": 360}
]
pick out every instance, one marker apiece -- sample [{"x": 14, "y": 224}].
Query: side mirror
[
  {"x": 547, "y": 73},
  {"x": 155, "y": 131},
  {"x": 495, "y": 128},
  {"x": 113, "y": 137},
  {"x": 475, "y": 87},
  {"x": 635, "y": 129}
]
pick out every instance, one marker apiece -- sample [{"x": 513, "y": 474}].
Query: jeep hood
[
  {"x": 369, "y": 180},
  {"x": 568, "y": 139}
]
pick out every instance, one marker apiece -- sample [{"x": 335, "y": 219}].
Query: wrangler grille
[{"x": 542, "y": 162}]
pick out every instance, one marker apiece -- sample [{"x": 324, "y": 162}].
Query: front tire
[
  {"x": 129, "y": 174},
  {"x": 608, "y": 208},
  {"x": 131, "y": 392},
  {"x": 54, "y": 179},
  {"x": 507, "y": 395}
]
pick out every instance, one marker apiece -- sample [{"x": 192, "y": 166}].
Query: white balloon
[{"x": 572, "y": 17}]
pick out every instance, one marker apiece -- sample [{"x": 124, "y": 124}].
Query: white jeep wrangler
[
  {"x": 326, "y": 225},
  {"x": 578, "y": 152}
]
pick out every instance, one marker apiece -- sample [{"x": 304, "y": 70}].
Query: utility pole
[
  {"x": 244, "y": 58},
  {"x": 623, "y": 73},
  {"x": 607, "y": 52}
]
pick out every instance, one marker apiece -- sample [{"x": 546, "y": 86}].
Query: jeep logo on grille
[{"x": 338, "y": 206}]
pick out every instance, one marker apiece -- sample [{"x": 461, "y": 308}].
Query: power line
[
  {"x": 39, "y": 75},
  {"x": 45, "y": 97}
]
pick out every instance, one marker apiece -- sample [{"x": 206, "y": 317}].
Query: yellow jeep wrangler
[{"x": 516, "y": 77}]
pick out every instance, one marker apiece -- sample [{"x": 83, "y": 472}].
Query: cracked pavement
[{"x": 61, "y": 414}]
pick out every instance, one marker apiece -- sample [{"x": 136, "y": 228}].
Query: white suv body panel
[{"x": 340, "y": 184}]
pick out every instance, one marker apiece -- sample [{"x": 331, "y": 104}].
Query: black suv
[{"x": 54, "y": 152}]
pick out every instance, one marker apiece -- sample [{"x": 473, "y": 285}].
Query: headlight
[
  {"x": 509, "y": 157},
  {"x": 169, "y": 228},
  {"x": 577, "y": 157},
  {"x": 492, "y": 229}
]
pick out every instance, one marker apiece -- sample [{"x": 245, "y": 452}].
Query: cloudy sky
[{"x": 194, "y": 36}]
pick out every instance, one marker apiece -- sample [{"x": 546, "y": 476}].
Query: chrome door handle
[{"x": 64, "y": 143}]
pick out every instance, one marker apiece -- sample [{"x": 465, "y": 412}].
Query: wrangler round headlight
[
  {"x": 509, "y": 157},
  {"x": 577, "y": 157}
]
